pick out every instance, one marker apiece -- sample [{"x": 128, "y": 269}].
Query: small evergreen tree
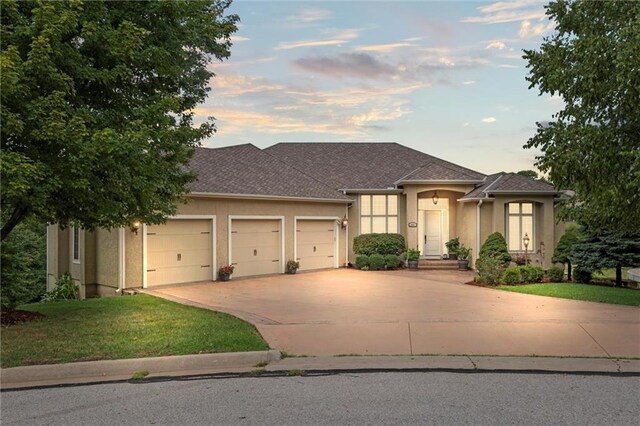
[
  {"x": 495, "y": 246},
  {"x": 572, "y": 236},
  {"x": 607, "y": 251}
]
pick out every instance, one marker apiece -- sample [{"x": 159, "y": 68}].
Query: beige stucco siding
[
  {"x": 57, "y": 254},
  {"x": 107, "y": 261}
]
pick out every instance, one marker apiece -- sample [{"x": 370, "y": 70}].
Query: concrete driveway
[{"x": 406, "y": 312}]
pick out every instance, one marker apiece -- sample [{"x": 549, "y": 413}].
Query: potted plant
[
  {"x": 292, "y": 267},
  {"x": 464, "y": 253},
  {"x": 453, "y": 245},
  {"x": 225, "y": 272},
  {"x": 413, "y": 255}
]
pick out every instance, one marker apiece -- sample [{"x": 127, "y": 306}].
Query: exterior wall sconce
[
  {"x": 135, "y": 226},
  {"x": 344, "y": 222},
  {"x": 435, "y": 198},
  {"x": 525, "y": 241}
]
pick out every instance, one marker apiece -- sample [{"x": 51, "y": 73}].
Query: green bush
[
  {"x": 362, "y": 261},
  {"x": 376, "y": 262},
  {"x": 513, "y": 275},
  {"x": 531, "y": 274},
  {"x": 383, "y": 244},
  {"x": 391, "y": 261},
  {"x": 65, "y": 289},
  {"x": 490, "y": 270},
  {"x": 453, "y": 245},
  {"x": 413, "y": 255},
  {"x": 581, "y": 276},
  {"x": 496, "y": 247},
  {"x": 556, "y": 274}
]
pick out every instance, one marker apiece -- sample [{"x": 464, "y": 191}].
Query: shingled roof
[
  {"x": 509, "y": 183},
  {"x": 364, "y": 165},
  {"x": 248, "y": 170}
]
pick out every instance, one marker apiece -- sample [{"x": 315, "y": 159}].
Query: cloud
[
  {"x": 238, "y": 39},
  {"x": 489, "y": 120},
  {"x": 496, "y": 44},
  {"x": 506, "y": 66},
  {"x": 337, "y": 38},
  {"x": 529, "y": 30},
  {"x": 384, "y": 47},
  {"x": 361, "y": 65},
  {"x": 502, "y": 12},
  {"x": 469, "y": 82},
  {"x": 309, "y": 16}
]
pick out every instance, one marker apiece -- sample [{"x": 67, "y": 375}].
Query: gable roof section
[
  {"x": 367, "y": 165},
  {"x": 509, "y": 183},
  {"x": 249, "y": 171}
]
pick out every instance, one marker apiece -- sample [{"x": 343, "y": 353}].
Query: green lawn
[
  {"x": 591, "y": 293},
  {"x": 122, "y": 327},
  {"x": 610, "y": 274}
]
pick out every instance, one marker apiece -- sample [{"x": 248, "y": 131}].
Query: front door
[{"x": 432, "y": 233}]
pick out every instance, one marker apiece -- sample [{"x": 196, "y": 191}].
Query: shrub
[
  {"x": 362, "y": 261},
  {"x": 383, "y": 244},
  {"x": 496, "y": 247},
  {"x": 413, "y": 255},
  {"x": 520, "y": 260},
  {"x": 376, "y": 262},
  {"x": 531, "y": 274},
  {"x": 65, "y": 289},
  {"x": 512, "y": 275},
  {"x": 292, "y": 265},
  {"x": 556, "y": 274},
  {"x": 453, "y": 245},
  {"x": 582, "y": 276},
  {"x": 391, "y": 261},
  {"x": 490, "y": 270},
  {"x": 464, "y": 253}
]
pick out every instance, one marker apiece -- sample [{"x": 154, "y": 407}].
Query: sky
[{"x": 446, "y": 78}]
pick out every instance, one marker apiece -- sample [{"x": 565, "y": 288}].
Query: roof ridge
[{"x": 226, "y": 147}]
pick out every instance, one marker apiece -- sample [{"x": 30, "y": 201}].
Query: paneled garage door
[
  {"x": 316, "y": 242},
  {"x": 179, "y": 252},
  {"x": 255, "y": 246}
]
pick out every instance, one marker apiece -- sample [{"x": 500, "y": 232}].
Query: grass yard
[
  {"x": 122, "y": 327},
  {"x": 610, "y": 274},
  {"x": 591, "y": 293}
]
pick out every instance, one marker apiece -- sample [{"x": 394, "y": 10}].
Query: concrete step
[{"x": 438, "y": 264}]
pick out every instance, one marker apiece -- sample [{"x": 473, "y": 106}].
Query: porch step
[{"x": 437, "y": 264}]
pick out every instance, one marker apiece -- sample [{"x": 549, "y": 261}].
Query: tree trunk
[
  {"x": 568, "y": 271},
  {"x": 18, "y": 215},
  {"x": 619, "y": 275}
]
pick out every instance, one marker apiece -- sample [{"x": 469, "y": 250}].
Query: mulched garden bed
[{"x": 14, "y": 316}]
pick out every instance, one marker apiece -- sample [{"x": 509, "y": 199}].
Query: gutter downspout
[
  {"x": 121, "y": 260},
  {"x": 346, "y": 237},
  {"x": 478, "y": 229}
]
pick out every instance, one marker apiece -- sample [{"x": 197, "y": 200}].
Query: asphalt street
[{"x": 355, "y": 398}]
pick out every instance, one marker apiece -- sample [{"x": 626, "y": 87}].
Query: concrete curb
[{"x": 123, "y": 369}]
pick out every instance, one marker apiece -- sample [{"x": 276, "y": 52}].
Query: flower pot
[
  {"x": 292, "y": 271},
  {"x": 224, "y": 277},
  {"x": 413, "y": 264},
  {"x": 453, "y": 256},
  {"x": 463, "y": 265}
]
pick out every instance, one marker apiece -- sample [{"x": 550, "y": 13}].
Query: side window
[
  {"x": 378, "y": 214},
  {"x": 76, "y": 244}
]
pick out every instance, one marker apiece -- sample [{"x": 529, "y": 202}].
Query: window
[
  {"x": 76, "y": 244},
  {"x": 378, "y": 214},
  {"x": 519, "y": 223}
]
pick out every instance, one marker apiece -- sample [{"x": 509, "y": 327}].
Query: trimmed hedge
[
  {"x": 490, "y": 270},
  {"x": 512, "y": 275},
  {"x": 382, "y": 244},
  {"x": 581, "y": 276},
  {"x": 556, "y": 274},
  {"x": 391, "y": 261},
  {"x": 531, "y": 274},
  {"x": 362, "y": 261},
  {"x": 376, "y": 262}
]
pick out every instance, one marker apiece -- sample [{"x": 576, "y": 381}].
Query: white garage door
[
  {"x": 255, "y": 247},
  {"x": 316, "y": 242},
  {"x": 179, "y": 252}
]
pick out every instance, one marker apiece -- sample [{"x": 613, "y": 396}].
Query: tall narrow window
[
  {"x": 519, "y": 223},
  {"x": 378, "y": 214},
  {"x": 76, "y": 244}
]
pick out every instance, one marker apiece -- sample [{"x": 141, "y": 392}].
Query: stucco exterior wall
[
  {"x": 467, "y": 230},
  {"x": 57, "y": 254},
  {"x": 106, "y": 258}
]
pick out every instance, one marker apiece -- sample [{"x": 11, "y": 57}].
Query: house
[{"x": 256, "y": 209}]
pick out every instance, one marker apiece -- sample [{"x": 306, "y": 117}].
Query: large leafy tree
[
  {"x": 97, "y": 106},
  {"x": 598, "y": 252},
  {"x": 592, "y": 145},
  {"x": 562, "y": 254}
]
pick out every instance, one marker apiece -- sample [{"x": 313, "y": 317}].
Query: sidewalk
[{"x": 270, "y": 363}]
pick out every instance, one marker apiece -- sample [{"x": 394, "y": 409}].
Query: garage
[
  {"x": 316, "y": 243},
  {"x": 179, "y": 251},
  {"x": 256, "y": 246}
]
